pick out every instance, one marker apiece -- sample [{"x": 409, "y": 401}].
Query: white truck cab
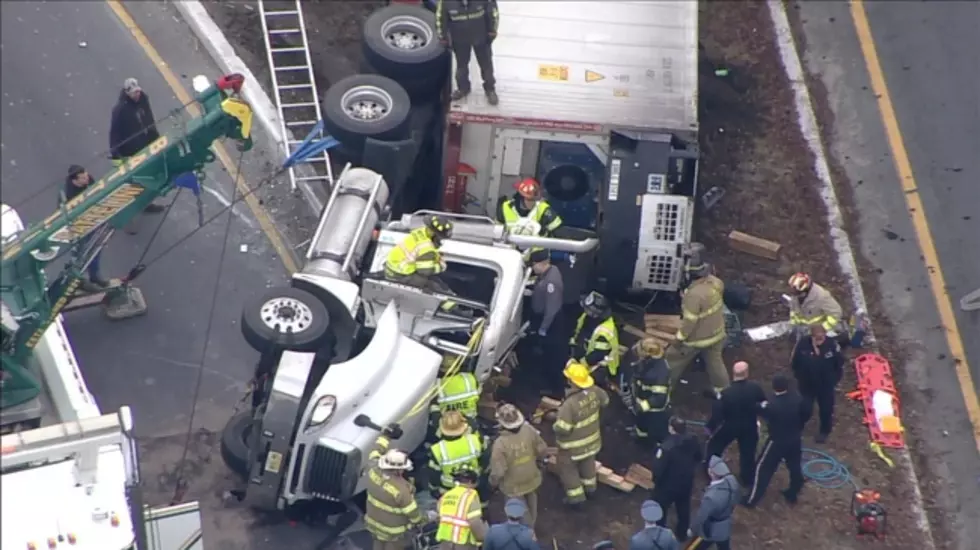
[{"x": 347, "y": 351}]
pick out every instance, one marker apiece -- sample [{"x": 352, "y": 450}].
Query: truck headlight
[{"x": 322, "y": 411}]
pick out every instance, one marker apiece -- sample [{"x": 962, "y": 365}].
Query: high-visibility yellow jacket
[
  {"x": 449, "y": 456},
  {"x": 819, "y": 306},
  {"x": 577, "y": 427},
  {"x": 542, "y": 214},
  {"x": 459, "y": 392},
  {"x": 461, "y": 517},
  {"x": 415, "y": 254},
  {"x": 602, "y": 346},
  {"x": 391, "y": 508},
  {"x": 703, "y": 313}
]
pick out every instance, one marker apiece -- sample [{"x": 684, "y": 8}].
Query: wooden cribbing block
[
  {"x": 669, "y": 337},
  {"x": 630, "y": 329},
  {"x": 544, "y": 406},
  {"x": 639, "y": 476},
  {"x": 608, "y": 477},
  {"x": 666, "y": 323},
  {"x": 754, "y": 245}
]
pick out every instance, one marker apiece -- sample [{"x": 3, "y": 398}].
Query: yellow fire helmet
[
  {"x": 453, "y": 424},
  {"x": 578, "y": 374}
]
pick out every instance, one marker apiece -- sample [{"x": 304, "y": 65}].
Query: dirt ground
[{"x": 752, "y": 149}]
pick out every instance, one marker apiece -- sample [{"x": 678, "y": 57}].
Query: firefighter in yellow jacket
[
  {"x": 702, "y": 331},
  {"x": 461, "y": 525},
  {"x": 527, "y": 213},
  {"x": 514, "y": 460},
  {"x": 416, "y": 260},
  {"x": 391, "y": 507},
  {"x": 459, "y": 449},
  {"x": 578, "y": 433},
  {"x": 814, "y": 305},
  {"x": 595, "y": 342}
]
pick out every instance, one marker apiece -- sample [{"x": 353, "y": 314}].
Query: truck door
[{"x": 174, "y": 528}]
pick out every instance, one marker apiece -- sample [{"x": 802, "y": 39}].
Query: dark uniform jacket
[
  {"x": 133, "y": 126},
  {"x": 510, "y": 536},
  {"x": 737, "y": 407},
  {"x": 784, "y": 417},
  {"x": 469, "y": 21},
  {"x": 651, "y": 383},
  {"x": 676, "y": 463},
  {"x": 819, "y": 367}
]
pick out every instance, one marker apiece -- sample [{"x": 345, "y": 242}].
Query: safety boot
[
  {"x": 492, "y": 98},
  {"x": 459, "y": 94}
]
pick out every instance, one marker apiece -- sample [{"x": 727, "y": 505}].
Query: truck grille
[{"x": 332, "y": 474}]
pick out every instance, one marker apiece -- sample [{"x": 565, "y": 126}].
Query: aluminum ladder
[{"x": 297, "y": 99}]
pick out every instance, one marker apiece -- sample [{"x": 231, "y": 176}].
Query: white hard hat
[{"x": 395, "y": 459}]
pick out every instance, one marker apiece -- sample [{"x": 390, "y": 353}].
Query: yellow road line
[
  {"x": 914, "y": 203},
  {"x": 265, "y": 222}
]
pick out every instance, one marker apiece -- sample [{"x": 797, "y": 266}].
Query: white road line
[
  {"x": 227, "y": 203},
  {"x": 842, "y": 244}
]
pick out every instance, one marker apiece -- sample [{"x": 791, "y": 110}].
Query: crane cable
[{"x": 180, "y": 485}]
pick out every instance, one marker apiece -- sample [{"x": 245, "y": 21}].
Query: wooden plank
[
  {"x": 548, "y": 403},
  {"x": 667, "y": 323},
  {"x": 669, "y": 337},
  {"x": 756, "y": 246},
  {"x": 639, "y": 476},
  {"x": 630, "y": 329}
]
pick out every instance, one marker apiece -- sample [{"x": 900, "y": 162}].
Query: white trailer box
[{"x": 585, "y": 87}]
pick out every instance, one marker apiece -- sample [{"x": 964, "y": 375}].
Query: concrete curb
[
  {"x": 224, "y": 55},
  {"x": 810, "y": 129}
]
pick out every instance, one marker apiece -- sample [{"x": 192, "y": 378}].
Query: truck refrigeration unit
[{"x": 598, "y": 102}]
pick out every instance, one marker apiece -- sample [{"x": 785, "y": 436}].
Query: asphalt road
[
  {"x": 63, "y": 65},
  {"x": 927, "y": 52}
]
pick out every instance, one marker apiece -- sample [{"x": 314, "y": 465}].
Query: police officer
[
  {"x": 735, "y": 417},
  {"x": 461, "y": 525},
  {"x": 702, "y": 331},
  {"x": 784, "y": 416},
  {"x": 674, "y": 467},
  {"x": 818, "y": 365},
  {"x": 469, "y": 26},
  {"x": 653, "y": 536},
  {"x": 514, "y": 459},
  {"x": 526, "y": 213},
  {"x": 578, "y": 433},
  {"x": 391, "y": 507},
  {"x": 512, "y": 535},
  {"x": 651, "y": 393},
  {"x": 547, "y": 322},
  {"x": 595, "y": 342},
  {"x": 416, "y": 260},
  {"x": 459, "y": 449},
  {"x": 713, "y": 523}
]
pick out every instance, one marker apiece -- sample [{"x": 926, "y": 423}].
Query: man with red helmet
[
  {"x": 814, "y": 305},
  {"x": 527, "y": 213}
]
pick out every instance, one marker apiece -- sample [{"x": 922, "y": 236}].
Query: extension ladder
[{"x": 294, "y": 87}]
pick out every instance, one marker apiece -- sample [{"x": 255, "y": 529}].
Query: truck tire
[
  {"x": 366, "y": 106},
  {"x": 234, "y": 443},
  {"x": 400, "y": 42},
  {"x": 266, "y": 321},
  {"x": 420, "y": 90}
]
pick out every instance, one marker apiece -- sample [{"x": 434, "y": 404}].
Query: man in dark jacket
[
  {"x": 650, "y": 387},
  {"x": 76, "y": 183},
  {"x": 818, "y": 365},
  {"x": 784, "y": 418},
  {"x": 512, "y": 535},
  {"x": 734, "y": 417},
  {"x": 547, "y": 324},
  {"x": 674, "y": 466},
  {"x": 469, "y": 26},
  {"x": 713, "y": 523},
  {"x": 133, "y": 127}
]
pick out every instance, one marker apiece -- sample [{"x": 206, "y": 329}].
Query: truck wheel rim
[
  {"x": 406, "y": 32},
  {"x": 286, "y": 314},
  {"x": 366, "y": 103}
]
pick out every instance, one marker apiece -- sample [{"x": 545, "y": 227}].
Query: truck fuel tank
[{"x": 356, "y": 202}]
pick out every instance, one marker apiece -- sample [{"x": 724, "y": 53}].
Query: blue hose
[{"x": 819, "y": 467}]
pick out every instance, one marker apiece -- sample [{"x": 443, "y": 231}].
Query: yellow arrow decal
[{"x": 592, "y": 76}]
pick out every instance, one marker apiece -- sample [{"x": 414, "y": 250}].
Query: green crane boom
[{"x": 85, "y": 224}]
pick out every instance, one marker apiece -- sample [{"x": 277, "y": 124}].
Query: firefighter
[
  {"x": 653, "y": 536},
  {"x": 461, "y": 525},
  {"x": 674, "y": 466},
  {"x": 818, "y": 365},
  {"x": 651, "y": 393},
  {"x": 514, "y": 460},
  {"x": 578, "y": 433},
  {"x": 547, "y": 323},
  {"x": 416, "y": 260},
  {"x": 713, "y": 523},
  {"x": 469, "y": 26},
  {"x": 459, "y": 449},
  {"x": 596, "y": 339},
  {"x": 391, "y": 508},
  {"x": 702, "y": 332},
  {"x": 784, "y": 416},
  {"x": 460, "y": 392},
  {"x": 527, "y": 213},
  {"x": 813, "y": 304},
  {"x": 734, "y": 417}
]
